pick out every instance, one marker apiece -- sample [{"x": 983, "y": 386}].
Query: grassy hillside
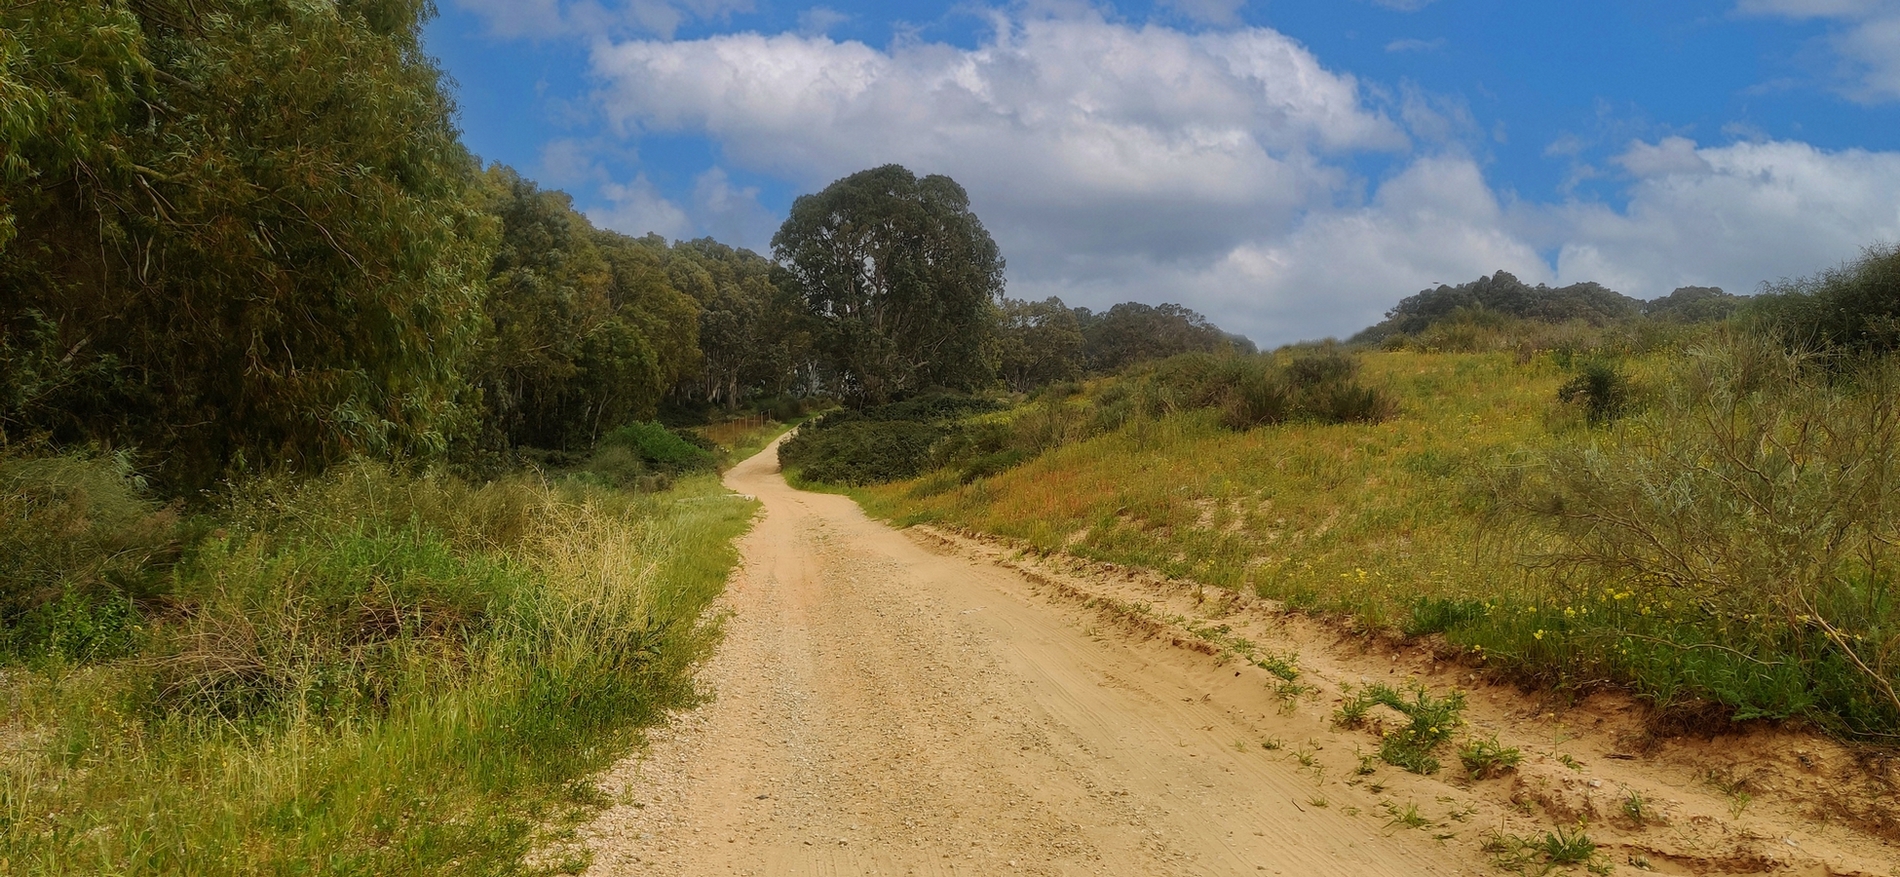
[
  {"x": 365, "y": 673},
  {"x": 1710, "y": 525}
]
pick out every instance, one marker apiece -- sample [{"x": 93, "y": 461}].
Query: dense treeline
[
  {"x": 1503, "y": 295},
  {"x": 235, "y": 232}
]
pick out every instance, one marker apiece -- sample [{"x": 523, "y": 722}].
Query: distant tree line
[{"x": 1505, "y": 295}]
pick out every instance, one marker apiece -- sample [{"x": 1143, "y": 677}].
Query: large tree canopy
[
  {"x": 232, "y": 231},
  {"x": 901, "y": 280}
]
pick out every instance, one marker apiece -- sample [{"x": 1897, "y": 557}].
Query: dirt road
[
  {"x": 899, "y": 703},
  {"x": 883, "y": 708}
]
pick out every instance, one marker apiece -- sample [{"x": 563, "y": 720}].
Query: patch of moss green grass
[{"x": 368, "y": 673}]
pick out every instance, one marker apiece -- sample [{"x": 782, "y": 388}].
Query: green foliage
[
  {"x": 1252, "y": 391},
  {"x": 1693, "y": 304},
  {"x": 1554, "y": 849},
  {"x": 1735, "y": 544},
  {"x": 1039, "y": 343},
  {"x": 217, "y": 251},
  {"x": 366, "y": 673},
  {"x": 1432, "y": 722},
  {"x": 880, "y": 444},
  {"x": 900, "y": 280},
  {"x": 1505, "y": 295},
  {"x": 662, "y": 449},
  {"x": 1438, "y": 614},
  {"x": 1853, "y": 309},
  {"x": 1600, "y": 389},
  {"x": 754, "y": 335},
  {"x": 78, "y": 540},
  {"x": 1132, "y": 332},
  {"x": 585, "y": 331},
  {"x": 1485, "y": 758}
]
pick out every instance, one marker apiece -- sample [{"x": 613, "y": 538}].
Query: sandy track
[{"x": 883, "y": 707}]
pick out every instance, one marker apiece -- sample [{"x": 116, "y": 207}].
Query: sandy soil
[{"x": 922, "y": 702}]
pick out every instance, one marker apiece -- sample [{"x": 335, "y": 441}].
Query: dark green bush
[
  {"x": 1600, "y": 389},
  {"x": 1252, "y": 391},
  {"x": 862, "y": 451},
  {"x": 1851, "y": 309},
  {"x": 659, "y": 449},
  {"x": 888, "y": 442}
]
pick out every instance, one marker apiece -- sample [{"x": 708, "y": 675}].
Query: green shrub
[
  {"x": 1432, "y": 722},
  {"x": 371, "y": 671},
  {"x": 657, "y": 449},
  {"x": 862, "y": 451},
  {"x": 1851, "y": 309},
  {"x": 892, "y": 442},
  {"x": 1439, "y": 614},
  {"x": 1251, "y": 391},
  {"x": 79, "y": 542},
  {"x": 1600, "y": 389},
  {"x": 1485, "y": 758}
]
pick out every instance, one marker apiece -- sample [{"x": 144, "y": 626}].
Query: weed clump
[
  {"x": 1485, "y": 758},
  {"x": 1553, "y": 850},
  {"x": 1432, "y": 720},
  {"x": 1734, "y": 545}
]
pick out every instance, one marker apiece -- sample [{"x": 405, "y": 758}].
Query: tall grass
[
  {"x": 1737, "y": 543},
  {"x": 370, "y": 673}
]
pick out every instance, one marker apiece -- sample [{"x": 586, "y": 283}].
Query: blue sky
[{"x": 1291, "y": 169}]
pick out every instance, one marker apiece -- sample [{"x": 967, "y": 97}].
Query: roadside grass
[
  {"x": 1369, "y": 520},
  {"x": 369, "y": 673},
  {"x": 1712, "y": 527}
]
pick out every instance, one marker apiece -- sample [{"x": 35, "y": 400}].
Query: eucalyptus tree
[
  {"x": 233, "y": 233},
  {"x": 900, "y": 279},
  {"x": 1038, "y": 343},
  {"x": 754, "y": 338}
]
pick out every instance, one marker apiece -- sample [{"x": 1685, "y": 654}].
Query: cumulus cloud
[
  {"x": 1730, "y": 216},
  {"x": 1671, "y": 155},
  {"x": 1339, "y": 270},
  {"x": 1868, "y": 39},
  {"x": 1075, "y": 135},
  {"x": 638, "y": 209}
]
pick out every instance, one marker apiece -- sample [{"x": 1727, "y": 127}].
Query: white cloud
[
  {"x": 1746, "y": 213},
  {"x": 1671, "y": 155},
  {"x": 1868, "y": 39},
  {"x": 1404, "y": 5},
  {"x": 1415, "y": 45},
  {"x": 732, "y": 214},
  {"x": 638, "y": 209},
  {"x": 1075, "y": 135}
]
